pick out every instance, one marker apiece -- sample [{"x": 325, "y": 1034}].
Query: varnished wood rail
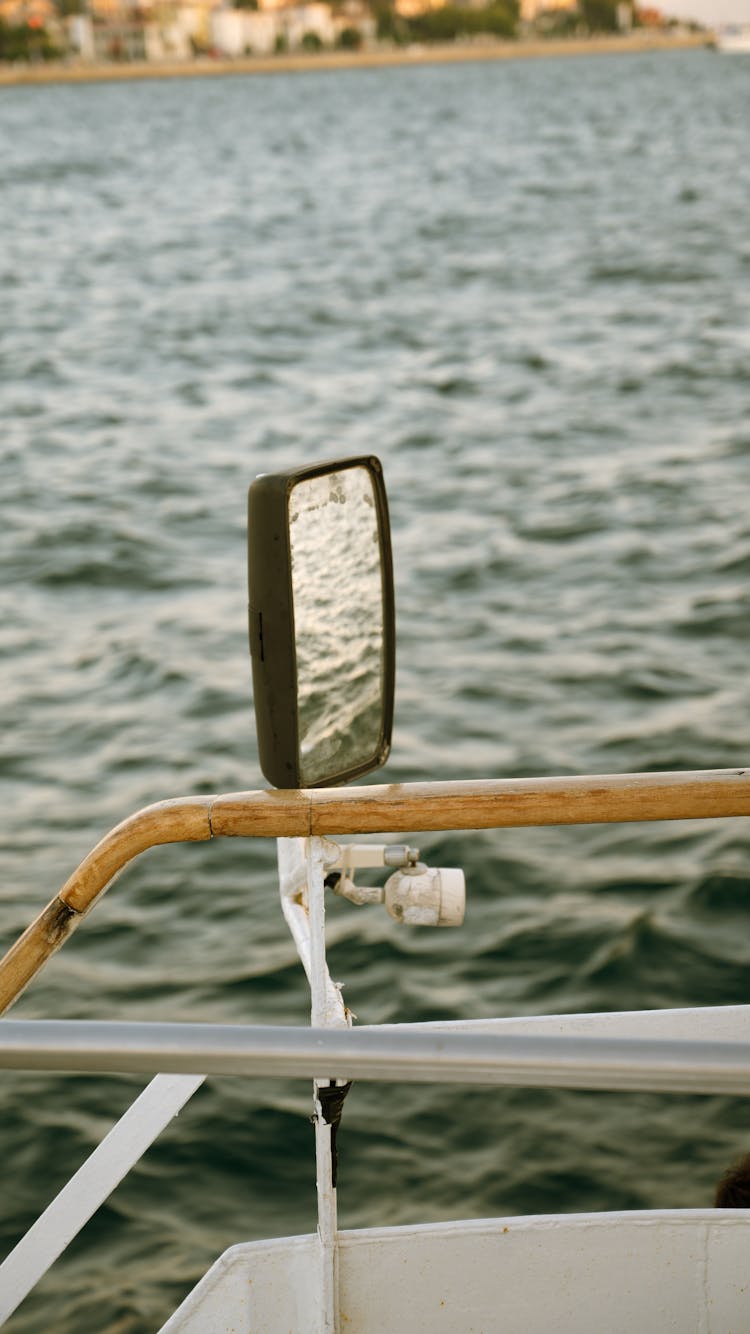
[{"x": 394, "y": 808}]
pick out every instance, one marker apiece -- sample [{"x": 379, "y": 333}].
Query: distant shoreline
[{"x": 448, "y": 53}]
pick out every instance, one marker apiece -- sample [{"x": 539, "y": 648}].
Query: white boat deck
[{"x": 660, "y": 1272}]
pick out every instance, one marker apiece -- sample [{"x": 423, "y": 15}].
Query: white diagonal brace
[{"x": 90, "y": 1186}]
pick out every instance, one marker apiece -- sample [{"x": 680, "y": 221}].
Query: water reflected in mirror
[{"x": 338, "y": 618}]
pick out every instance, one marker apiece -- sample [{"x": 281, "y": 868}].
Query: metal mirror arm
[{"x": 415, "y": 894}]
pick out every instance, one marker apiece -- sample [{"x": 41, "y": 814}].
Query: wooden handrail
[
  {"x": 502, "y": 803},
  {"x": 392, "y": 808}
]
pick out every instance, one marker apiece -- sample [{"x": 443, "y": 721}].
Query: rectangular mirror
[{"x": 321, "y": 622}]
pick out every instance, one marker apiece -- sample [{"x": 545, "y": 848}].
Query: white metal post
[{"x": 303, "y": 864}]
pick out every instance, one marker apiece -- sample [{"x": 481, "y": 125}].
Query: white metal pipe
[
  {"x": 295, "y": 896},
  {"x": 322, "y": 1016},
  {"x": 408, "y": 1055},
  {"x": 327, "y": 1322},
  {"x": 302, "y": 869}
]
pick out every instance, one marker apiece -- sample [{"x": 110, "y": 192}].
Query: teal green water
[{"x": 526, "y": 287}]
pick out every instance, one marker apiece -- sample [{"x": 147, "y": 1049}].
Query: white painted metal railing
[
  {"x": 718, "y": 1062},
  {"x": 407, "y": 1053},
  {"x": 687, "y": 1051}
]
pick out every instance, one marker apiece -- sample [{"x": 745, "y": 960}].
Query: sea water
[{"x": 525, "y": 286}]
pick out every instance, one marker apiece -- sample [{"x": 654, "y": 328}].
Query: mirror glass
[{"x": 338, "y": 619}]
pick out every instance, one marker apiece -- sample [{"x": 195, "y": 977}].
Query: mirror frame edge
[{"x": 271, "y": 626}]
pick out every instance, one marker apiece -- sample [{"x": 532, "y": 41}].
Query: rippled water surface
[{"x": 525, "y": 286}]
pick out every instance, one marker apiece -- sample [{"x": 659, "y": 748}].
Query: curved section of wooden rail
[
  {"x": 394, "y": 808},
  {"x": 181, "y": 820}
]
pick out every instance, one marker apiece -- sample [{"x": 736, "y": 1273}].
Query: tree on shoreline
[
  {"x": 499, "y": 18},
  {"x": 599, "y": 15},
  {"x": 28, "y": 41}
]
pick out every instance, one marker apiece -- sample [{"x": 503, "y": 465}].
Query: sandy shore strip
[{"x": 373, "y": 58}]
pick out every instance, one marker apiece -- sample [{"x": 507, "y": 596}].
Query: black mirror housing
[{"x": 295, "y": 633}]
